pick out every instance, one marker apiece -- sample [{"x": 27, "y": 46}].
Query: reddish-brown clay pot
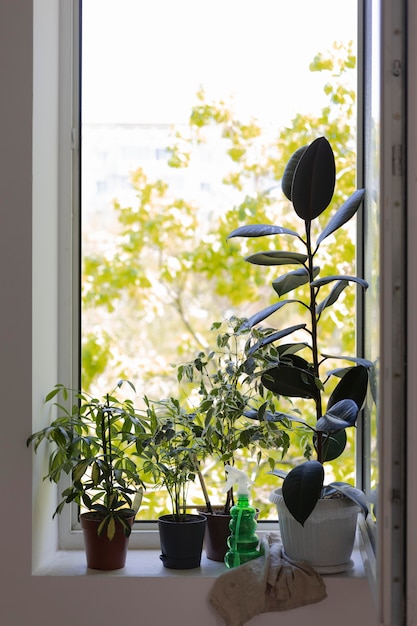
[
  {"x": 102, "y": 553},
  {"x": 217, "y": 533}
]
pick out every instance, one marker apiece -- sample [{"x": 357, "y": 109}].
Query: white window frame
[{"x": 69, "y": 281}]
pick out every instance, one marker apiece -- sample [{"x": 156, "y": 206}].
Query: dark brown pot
[
  {"x": 102, "y": 553},
  {"x": 181, "y": 542},
  {"x": 217, "y": 533}
]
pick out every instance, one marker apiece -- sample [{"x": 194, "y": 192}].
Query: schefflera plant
[{"x": 309, "y": 182}]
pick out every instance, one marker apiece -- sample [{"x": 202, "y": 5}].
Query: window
[
  {"x": 388, "y": 598},
  {"x": 213, "y": 125}
]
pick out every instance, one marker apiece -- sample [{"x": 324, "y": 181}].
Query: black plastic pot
[{"x": 181, "y": 542}]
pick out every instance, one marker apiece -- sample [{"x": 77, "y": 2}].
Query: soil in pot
[
  {"x": 181, "y": 542},
  {"x": 326, "y": 540},
  {"x": 101, "y": 552}
]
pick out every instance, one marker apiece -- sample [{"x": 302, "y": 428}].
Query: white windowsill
[{"x": 147, "y": 564}]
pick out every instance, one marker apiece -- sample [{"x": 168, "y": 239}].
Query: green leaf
[
  {"x": 261, "y": 230},
  {"x": 277, "y": 257},
  {"x": 86, "y": 500},
  {"x": 95, "y": 473},
  {"x": 314, "y": 180},
  {"x": 290, "y": 168},
  {"x": 111, "y": 528},
  {"x": 343, "y": 215},
  {"x": 55, "y": 391},
  {"x": 292, "y": 280},
  {"x": 301, "y": 489},
  {"x": 79, "y": 470}
]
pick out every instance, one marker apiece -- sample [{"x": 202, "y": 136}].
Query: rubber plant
[{"x": 297, "y": 369}]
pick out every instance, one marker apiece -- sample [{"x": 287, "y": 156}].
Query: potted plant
[
  {"x": 89, "y": 439},
  {"x": 169, "y": 457},
  {"x": 224, "y": 384},
  {"x": 297, "y": 369}
]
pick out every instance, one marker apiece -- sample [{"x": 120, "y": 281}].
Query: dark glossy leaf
[
  {"x": 287, "y": 380},
  {"x": 314, "y": 180},
  {"x": 341, "y": 415},
  {"x": 261, "y": 230},
  {"x": 279, "y": 473},
  {"x": 290, "y": 348},
  {"x": 353, "y": 386},
  {"x": 279, "y": 334},
  {"x": 288, "y": 175},
  {"x": 301, "y": 489},
  {"x": 333, "y": 296},
  {"x": 277, "y": 257},
  {"x": 261, "y": 315},
  {"x": 354, "y": 494},
  {"x": 330, "y": 279},
  {"x": 333, "y": 446},
  {"x": 341, "y": 371},
  {"x": 343, "y": 215},
  {"x": 292, "y": 280},
  {"x": 253, "y": 414}
]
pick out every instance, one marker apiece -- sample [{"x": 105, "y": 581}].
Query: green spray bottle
[{"x": 243, "y": 542}]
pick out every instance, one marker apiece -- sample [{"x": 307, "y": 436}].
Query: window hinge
[
  {"x": 74, "y": 139},
  {"x": 397, "y": 165}
]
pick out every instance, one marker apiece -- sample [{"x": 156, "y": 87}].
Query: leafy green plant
[
  {"x": 169, "y": 453},
  {"x": 225, "y": 381},
  {"x": 90, "y": 439},
  {"x": 296, "y": 370}
]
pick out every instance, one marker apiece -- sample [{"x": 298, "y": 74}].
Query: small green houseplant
[
  {"x": 169, "y": 456},
  {"x": 90, "y": 439},
  {"x": 227, "y": 384},
  {"x": 297, "y": 370},
  {"x": 221, "y": 383}
]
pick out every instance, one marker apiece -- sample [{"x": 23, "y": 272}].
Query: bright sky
[{"x": 144, "y": 60}]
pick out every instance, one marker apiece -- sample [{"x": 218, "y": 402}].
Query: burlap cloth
[{"x": 269, "y": 583}]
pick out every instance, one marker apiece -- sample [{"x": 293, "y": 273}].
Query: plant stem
[
  {"x": 107, "y": 445},
  {"x": 314, "y": 345}
]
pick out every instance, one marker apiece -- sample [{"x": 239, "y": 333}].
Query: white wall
[{"x": 43, "y": 600}]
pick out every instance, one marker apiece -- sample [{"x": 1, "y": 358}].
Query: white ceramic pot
[{"x": 326, "y": 540}]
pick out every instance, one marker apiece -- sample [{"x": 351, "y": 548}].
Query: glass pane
[{"x": 190, "y": 112}]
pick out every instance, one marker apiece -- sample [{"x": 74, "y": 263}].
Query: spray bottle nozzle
[{"x": 235, "y": 476}]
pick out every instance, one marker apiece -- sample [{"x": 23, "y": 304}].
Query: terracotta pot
[
  {"x": 181, "y": 542},
  {"x": 326, "y": 540},
  {"x": 102, "y": 553}
]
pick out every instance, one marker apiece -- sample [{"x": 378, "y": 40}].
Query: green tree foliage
[{"x": 169, "y": 271}]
